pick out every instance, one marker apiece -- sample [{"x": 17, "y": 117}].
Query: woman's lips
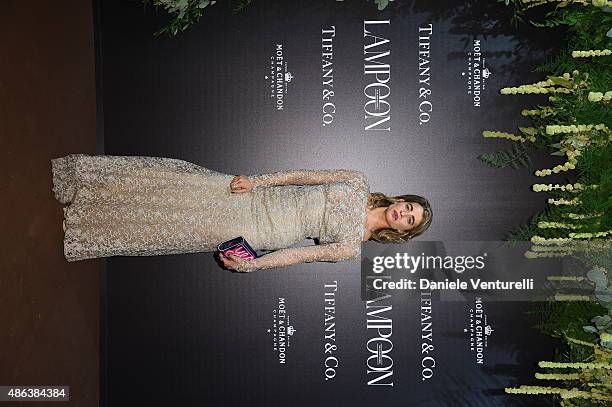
[{"x": 394, "y": 215}]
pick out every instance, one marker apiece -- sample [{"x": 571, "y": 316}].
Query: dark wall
[{"x": 49, "y": 309}]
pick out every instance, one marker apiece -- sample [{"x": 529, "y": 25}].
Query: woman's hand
[
  {"x": 241, "y": 184},
  {"x": 232, "y": 262}
]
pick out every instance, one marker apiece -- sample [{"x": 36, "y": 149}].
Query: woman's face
[{"x": 403, "y": 216}]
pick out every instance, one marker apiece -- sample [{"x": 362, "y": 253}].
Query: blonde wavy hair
[{"x": 377, "y": 200}]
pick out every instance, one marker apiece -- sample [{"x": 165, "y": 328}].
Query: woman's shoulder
[{"x": 357, "y": 180}]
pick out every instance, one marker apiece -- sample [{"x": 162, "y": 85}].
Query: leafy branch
[
  {"x": 515, "y": 157},
  {"x": 185, "y": 13}
]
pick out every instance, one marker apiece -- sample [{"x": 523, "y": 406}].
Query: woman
[{"x": 143, "y": 206}]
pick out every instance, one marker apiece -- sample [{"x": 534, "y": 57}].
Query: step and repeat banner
[{"x": 402, "y": 95}]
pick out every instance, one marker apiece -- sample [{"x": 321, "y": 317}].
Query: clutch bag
[{"x": 239, "y": 247}]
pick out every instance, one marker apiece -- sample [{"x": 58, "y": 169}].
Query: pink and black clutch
[{"x": 239, "y": 247}]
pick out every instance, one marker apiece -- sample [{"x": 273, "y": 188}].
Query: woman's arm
[
  {"x": 307, "y": 177},
  {"x": 242, "y": 183},
  {"x": 295, "y": 255}
]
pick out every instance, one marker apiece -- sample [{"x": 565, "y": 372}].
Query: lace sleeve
[
  {"x": 286, "y": 257},
  {"x": 308, "y": 177}
]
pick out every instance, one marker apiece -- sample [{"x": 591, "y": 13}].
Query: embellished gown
[{"x": 143, "y": 206}]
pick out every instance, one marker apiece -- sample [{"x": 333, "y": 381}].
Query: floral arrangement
[{"x": 574, "y": 125}]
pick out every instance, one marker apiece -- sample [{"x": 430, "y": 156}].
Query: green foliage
[
  {"x": 184, "y": 13},
  {"x": 515, "y": 157},
  {"x": 240, "y": 5},
  {"x": 518, "y": 15},
  {"x": 561, "y": 319},
  {"x": 588, "y": 28},
  {"x": 382, "y": 4},
  {"x": 525, "y": 232},
  {"x": 586, "y": 321},
  {"x": 585, "y": 19},
  {"x": 575, "y": 108},
  {"x": 603, "y": 293},
  {"x": 596, "y": 166},
  {"x": 564, "y": 320},
  {"x": 588, "y": 25}
]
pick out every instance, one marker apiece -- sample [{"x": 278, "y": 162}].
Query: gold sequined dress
[{"x": 144, "y": 206}]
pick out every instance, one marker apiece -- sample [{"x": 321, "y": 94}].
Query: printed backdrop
[{"x": 402, "y": 95}]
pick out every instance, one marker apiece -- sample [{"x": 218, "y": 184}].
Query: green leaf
[
  {"x": 603, "y": 296},
  {"x": 598, "y": 277},
  {"x": 382, "y": 4},
  {"x": 602, "y": 322},
  {"x": 529, "y": 131},
  {"x": 558, "y": 80}
]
